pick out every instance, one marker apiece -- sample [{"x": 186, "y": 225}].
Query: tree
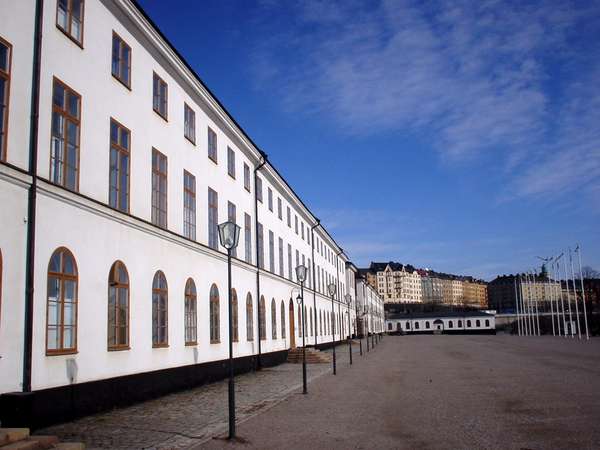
[{"x": 588, "y": 272}]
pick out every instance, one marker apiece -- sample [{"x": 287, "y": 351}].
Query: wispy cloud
[{"x": 469, "y": 77}]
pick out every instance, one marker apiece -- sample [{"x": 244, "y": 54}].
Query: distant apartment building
[
  {"x": 504, "y": 290},
  {"x": 402, "y": 283}
]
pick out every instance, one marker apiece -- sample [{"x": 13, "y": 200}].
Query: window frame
[
  {"x": 273, "y": 319},
  {"x": 6, "y": 75},
  {"x": 190, "y": 297},
  {"x": 249, "y": 318},
  {"x": 122, "y": 44},
  {"x": 62, "y": 278},
  {"x": 262, "y": 319},
  {"x": 230, "y": 162},
  {"x": 235, "y": 317},
  {"x": 121, "y": 151},
  {"x": 82, "y": 21},
  {"x": 156, "y": 76},
  {"x": 247, "y": 177},
  {"x": 158, "y": 291},
  {"x": 214, "y": 315},
  {"x": 157, "y": 173},
  {"x": 188, "y": 109},
  {"x": 114, "y": 271},
  {"x": 213, "y": 212},
  {"x": 66, "y": 117},
  {"x": 213, "y": 157},
  {"x": 189, "y": 227}
]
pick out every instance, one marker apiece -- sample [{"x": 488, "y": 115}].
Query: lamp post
[
  {"x": 356, "y": 314},
  {"x": 331, "y": 289},
  {"x": 348, "y": 298},
  {"x": 229, "y": 234},
  {"x": 301, "y": 277},
  {"x": 366, "y": 322}
]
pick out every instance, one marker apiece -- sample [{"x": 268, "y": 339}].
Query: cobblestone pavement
[{"x": 184, "y": 419}]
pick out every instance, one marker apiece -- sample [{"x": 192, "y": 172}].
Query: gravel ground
[{"x": 447, "y": 392}]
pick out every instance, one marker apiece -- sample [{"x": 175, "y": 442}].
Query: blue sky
[{"x": 460, "y": 136}]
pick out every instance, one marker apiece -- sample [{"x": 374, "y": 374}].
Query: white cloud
[{"x": 469, "y": 77}]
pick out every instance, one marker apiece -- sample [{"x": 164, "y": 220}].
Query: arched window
[
  {"x": 408, "y": 325},
  {"x": 0, "y": 286},
  {"x": 477, "y": 323},
  {"x": 61, "y": 319},
  {"x": 234, "y": 316},
  {"x": 190, "y": 315},
  {"x": 450, "y": 324},
  {"x": 427, "y": 324},
  {"x": 160, "y": 313},
  {"x": 273, "y": 319},
  {"x": 459, "y": 323},
  {"x": 468, "y": 323},
  {"x": 118, "y": 307},
  {"x": 299, "y": 321},
  {"x": 283, "y": 320},
  {"x": 311, "y": 321},
  {"x": 320, "y": 324},
  {"x": 416, "y": 325},
  {"x": 262, "y": 320},
  {"x": 487, "y": 322},
  {"x": 390, "y": 326},
  {"x": 215, "y": 330},
  {"x": 249, "y": 318}
]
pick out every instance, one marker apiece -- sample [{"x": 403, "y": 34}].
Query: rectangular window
[
  {"x": 296, "y": 224},
  {"x": 189, "y": 123},
  {"x": 248, "y": 237},
  {"x": 212, "y": 145},
  {"x": 160, "y": 93},
  {"x": 281, "y": 257},
  {"x": 297, "y": 258},
  {"x": 5, "y": 62},
  {"x": 232, "y": 217},
  {"x": 189, "y": 205},
  {"x": 69, "y": 19},
  {"x": 258, "y": 188},
  {"x": 270, "y": 199},
  {"x": 309, "y": 270},
  {"x": 302, "y": 228},
  {"x": 290, "y": 272},
  {"x": 159, "y": 189},
  {"x": 289, "y": 217},
  {"x": 260, "y": 244},
  {"x": 121, "y": 60},
  {"x": 231, "y": 162},
  {"x": 64, "y": 152},
  {"x": 118, "y": 194},
  {"x": 279, "y": 209},
  {"x": 213, "y": 219},
  {"x": 246, "y": 177},
  {"x": 271, "y": 252}
]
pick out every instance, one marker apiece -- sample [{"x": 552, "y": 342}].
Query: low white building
[
  {"x": 469, "y": 322},
  {"x": 116, "y": 165}
]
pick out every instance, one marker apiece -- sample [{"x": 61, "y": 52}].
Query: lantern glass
[
  {"x": 301, "y": 273},
  {"x": 229, "y": 234},
  {"x": 331, "y": 289},
  {"x": 348, "y": 298}
]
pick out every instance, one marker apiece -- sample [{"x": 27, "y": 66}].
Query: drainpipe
[
  {"x": 312, "y": 245},
  {"x": 31, "y": 198},
  {"x": 337, "y": 276},
  {"x": 263, "y": 161}
]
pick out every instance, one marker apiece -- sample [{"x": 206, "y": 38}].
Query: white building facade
[
  {"x": 117, "y": 164},
  {"x": 472, "y": 322}
]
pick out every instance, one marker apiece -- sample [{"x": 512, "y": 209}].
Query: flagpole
[
  {"x": 587, "y": 334},
  {"x": 537, "y": 311},
  {"x": 562, "y": 304},
  {"x": 569, "y": 303},
  {"x": 517, "y": 307},
  {"x": 575, "y": 294},
  {"x": 551, "y": 303},
  {"x": 530, "y": 305}
]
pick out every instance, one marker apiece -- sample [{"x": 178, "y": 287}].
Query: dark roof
[
  {"x": 433, "y": 315},
  {"x": 395, "y": 266}
]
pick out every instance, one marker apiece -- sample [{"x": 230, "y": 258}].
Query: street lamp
[
  {"x": 331, "y": 290},
  {"x": 229, "y": 234},
  {"x": 348, "y": 298},
  {"x": 301, "y": 277}
]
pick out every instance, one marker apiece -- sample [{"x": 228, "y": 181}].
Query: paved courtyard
[{"x": 449, "y": 392}]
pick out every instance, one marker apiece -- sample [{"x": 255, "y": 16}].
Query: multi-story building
[
  {"x": 504, "y": 291},
  {"x": 395, "y": 282},
  {"x": 370, "y": 308},
  {"x": 475, "y": 293},
  {"x": 117, "y": 166}
]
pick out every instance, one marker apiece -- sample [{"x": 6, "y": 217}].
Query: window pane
[{"x": 4, "y": 57}]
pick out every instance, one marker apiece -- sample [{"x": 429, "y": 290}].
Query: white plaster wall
[{"x": 13, "y": 215}]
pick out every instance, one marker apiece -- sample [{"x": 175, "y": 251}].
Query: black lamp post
[
  {"x": 348, "y": 298},
  {"x": 331, "y": 290},
  {"x": 366, "y": 322},
  {"x": 357, "y": 315},
  {"x": 301, "y": 277},
  {"x": 229, "y": 234}
]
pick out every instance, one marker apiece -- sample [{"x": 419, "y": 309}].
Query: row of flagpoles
[{"x": 528, "y": 314}]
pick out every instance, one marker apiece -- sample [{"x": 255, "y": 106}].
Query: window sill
[
  {"x": 61, "y": 352},
  {"x": 191, "y": 141},
  {"x": 128, "y": 87},
  {"x": 215, "y": 342},
  {"x": 160, "y": 345},
  {"x": 118, "y": 349},
  {"x": 191, "y": 344},
  {"x": 71, "y": 38},
  {"x": 160, "y": 115},
  {"x": 214, "y": 160}
]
